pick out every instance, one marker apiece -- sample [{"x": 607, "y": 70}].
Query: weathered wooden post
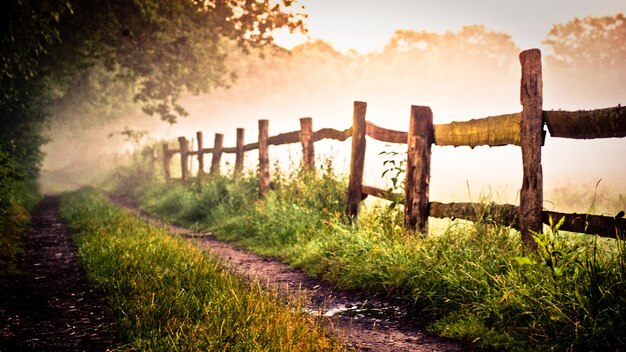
[
  {"x": 190, "y": 159},
  {"x": 217, "y": 154},
  {"x": 184, "y": 154},
  {"x": 166, "y": 161},
  {"x": 357, "y": 159},
  {"x": 420, "y": 138},
  {"x": 264, "y": 159},
  {"x": 306, "y": 138},
  {"x": 239, "y": 152},
  {"x": 531, "y": 195},
  {"x": 200, "y": 154},
  {"x": 153, "y": 157}
]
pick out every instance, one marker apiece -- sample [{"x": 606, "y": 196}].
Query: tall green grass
[
  {"x": 475, "y": 280},
  {"x": 14, "y": 220},
  {"x": 166, "y": 295},
  {"x": 19, "y": 194}
]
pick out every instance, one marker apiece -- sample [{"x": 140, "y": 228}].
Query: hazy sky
[
  {"x": 284, "y": 95},
  {"x": 367, "y": 25}
]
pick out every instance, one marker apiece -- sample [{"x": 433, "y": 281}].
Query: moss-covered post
[
  {"x": 306, "y": 138},
  {"x": 217, "y": 154},
  {"x": 264, "y": 159},
  {"x": 531, "y": 195},
  {"x": 239, "y": 152},
  {"x": 357, "y": 159},
  {"x": 420, "y": 138},
  {"x": 184, "y": 155}
]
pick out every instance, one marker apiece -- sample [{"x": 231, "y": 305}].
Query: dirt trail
[
  {"x": 365, "y": 323},
  {"x": 50, "y": 307}
]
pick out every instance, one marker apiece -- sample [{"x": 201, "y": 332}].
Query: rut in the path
[{"x": 50, "y": 307}]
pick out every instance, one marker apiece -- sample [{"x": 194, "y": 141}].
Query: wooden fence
[{"x": 524, "y": 129}]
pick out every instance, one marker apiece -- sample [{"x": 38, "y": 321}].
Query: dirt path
[
  {"x": 365, "y": 323},
  {"x": 51, "y": 307}
]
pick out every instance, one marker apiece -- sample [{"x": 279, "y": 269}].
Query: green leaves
[
  {"x": 92, "y": 58},
  {"x": 524, "y": 261},
  {"x": 394, "y": 165},
  {"x": 163, "y": 48}
]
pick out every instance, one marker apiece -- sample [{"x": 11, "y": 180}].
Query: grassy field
[
  {"x": 167, "y": 295},
  {"x": 474, "y": 280}
]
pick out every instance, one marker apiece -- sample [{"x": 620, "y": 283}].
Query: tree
[
  {"x": 589, "y": 43},
  {"x": 585, "y": 65},
  {"x": 474, "y": 43},
  {"x": 51, "y": 50},
  {"x": 164, "y": 47}
]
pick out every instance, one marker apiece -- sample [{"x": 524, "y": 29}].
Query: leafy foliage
[
  {"x": 394, "y": 165},
  {"x": 586, "y": 58},
  {"x": 61, "y": 51},
  {"x": 163, "y": 47},
  {"x": 13, "y": 215},
  {"x": 589, "y": 43}
]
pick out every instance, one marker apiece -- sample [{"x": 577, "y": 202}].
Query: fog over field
[{"x": 470, "y": 73}]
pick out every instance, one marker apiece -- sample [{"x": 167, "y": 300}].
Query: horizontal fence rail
[
  {"x": 508, "y": 215},
  {"x": 490, "y": 131},
  {"x": 523, "y": 129},
  {"x": 487, "y": 131},
  {"x": 587, "y": 124}
]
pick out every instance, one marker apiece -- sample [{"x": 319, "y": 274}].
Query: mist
[{"x": 471, "y": 73}]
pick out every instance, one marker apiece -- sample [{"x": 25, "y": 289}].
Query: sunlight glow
[{"x": 284, "y": 38}]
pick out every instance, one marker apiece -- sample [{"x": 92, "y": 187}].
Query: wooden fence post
[
  {"x": 239, "y": 152},
  {"x": 184, "y": 153},
  {"x": 419, "y": 139},
  {"x": 357, "y": 159},
  {"x": 306, "y": 138},
  {"x": 217, "y": 154},
  {"x": 531, "y": 195},
  {"x": 166, "y": 162},
  {"x": 264, "y": 160},
  {"x": 200, "y": 153}
]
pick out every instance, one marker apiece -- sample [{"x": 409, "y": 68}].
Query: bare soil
[
  {"x": 364, "y": 322},
  {"x": 49, "y": 306}
]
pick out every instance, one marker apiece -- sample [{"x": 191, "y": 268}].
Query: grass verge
[
  {"x": 18, "y": 195},
  {"x": 14, "y": 220},
  {"x": 475, "y": 280},
  {"x": 167, "y": 295}
]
